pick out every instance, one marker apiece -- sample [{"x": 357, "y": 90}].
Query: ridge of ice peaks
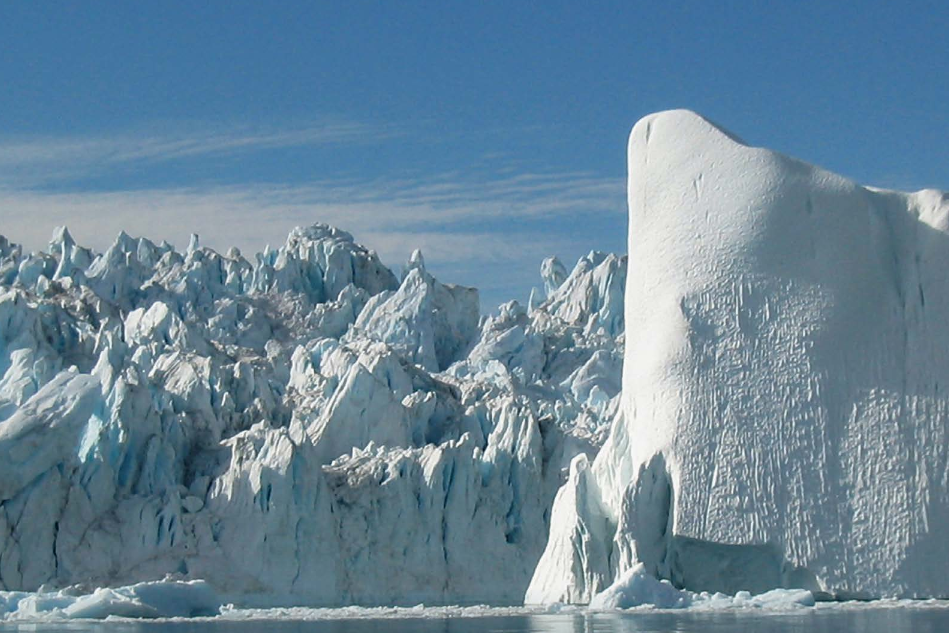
[{"x": 285, "y": 428}]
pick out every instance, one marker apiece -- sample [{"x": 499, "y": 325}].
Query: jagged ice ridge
[{"x": 300, "y": 428}]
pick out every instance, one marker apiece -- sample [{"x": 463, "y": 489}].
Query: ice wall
[
  {"x": 300, "y": 427},
  {"x": 784, "y": 411}
]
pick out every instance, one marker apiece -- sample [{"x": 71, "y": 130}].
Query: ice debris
[{"x": 157, "y": 599}]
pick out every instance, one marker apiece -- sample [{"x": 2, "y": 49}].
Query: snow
[
  {"x": 297, "y": 428},
  {"x": 784, "y": 411}
]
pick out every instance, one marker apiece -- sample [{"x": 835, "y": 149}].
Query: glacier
[
  {"x": 784, "y": 413},
  {"x": 302, "y": 427},
  {"x": 751, "y": 402}
]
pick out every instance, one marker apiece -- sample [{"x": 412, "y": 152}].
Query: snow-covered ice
[{"x": 784, "y": 418}]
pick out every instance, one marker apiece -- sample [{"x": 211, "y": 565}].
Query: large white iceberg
[{"x": 784, "y": 416}]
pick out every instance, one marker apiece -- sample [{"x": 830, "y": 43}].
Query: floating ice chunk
[
  {"x": 635, "y": 588},
  {"x": 158, "y": 599}
]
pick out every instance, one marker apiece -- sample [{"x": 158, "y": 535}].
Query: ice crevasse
[{"x": 784, "y": 417}]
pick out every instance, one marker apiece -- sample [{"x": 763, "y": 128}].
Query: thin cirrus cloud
[
  {"x": 41, "y": 161},
  {"x": 490, "y": 230}
]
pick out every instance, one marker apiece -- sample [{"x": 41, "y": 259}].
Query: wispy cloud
[
  {"x": 465, "y": 227},
  {"x": 37, "y": 161},
  {"x": 249, "y": 215},
  {"x": 485, "y": 228}
]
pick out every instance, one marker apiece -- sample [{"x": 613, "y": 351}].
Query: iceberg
[{"x": 784, "y": 415}]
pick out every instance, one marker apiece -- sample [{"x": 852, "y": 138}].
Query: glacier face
[
  {"x": 300, "y": 428},
  {"x": 784, "y": 416}
]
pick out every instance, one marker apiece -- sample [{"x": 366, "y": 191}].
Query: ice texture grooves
[{"x": 784, "y": 408}]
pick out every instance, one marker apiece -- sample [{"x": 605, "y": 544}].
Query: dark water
[{"x": 884, "y": 620}]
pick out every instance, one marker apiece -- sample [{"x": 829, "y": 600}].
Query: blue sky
[{"x": 489, "y": 134}]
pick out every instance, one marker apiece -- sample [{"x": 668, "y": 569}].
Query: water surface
[{"x": 830, "y": 619}]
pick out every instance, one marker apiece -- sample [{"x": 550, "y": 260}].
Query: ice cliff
[
  {"x": 784, "y": 414},
  {"x": 301, "y": 427}
]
